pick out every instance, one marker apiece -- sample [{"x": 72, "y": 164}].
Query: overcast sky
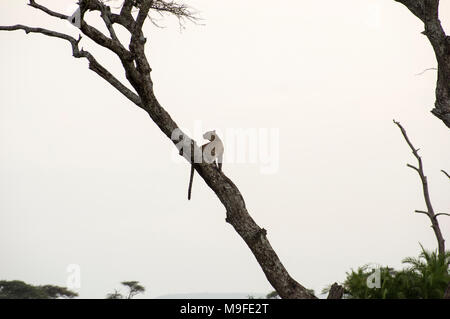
[{"x": 87, "y": 178}]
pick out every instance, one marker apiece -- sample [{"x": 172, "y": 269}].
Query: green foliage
[
  {"x": 426, "y": 277},
  {"x": 55, "y": 292},
  {"x": 17, "y": 289},
  {"x": 432, "y": 273}
]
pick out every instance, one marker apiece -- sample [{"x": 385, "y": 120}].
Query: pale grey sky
[{"x": 87, "y": 178}]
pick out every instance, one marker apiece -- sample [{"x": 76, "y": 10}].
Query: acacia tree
[
  {"x": 428, "y": 12},
  {"x": 132, "y": 16},
  {"x": 133, "y": 287},
  {"x": 16, "y": 289}
]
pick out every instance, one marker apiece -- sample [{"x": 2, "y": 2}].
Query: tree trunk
[{"x": 428, "y": 12}]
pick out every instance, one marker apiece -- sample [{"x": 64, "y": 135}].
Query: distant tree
[
  {"x": 134, "y": 288},
  {"x": 114, "y": 295},
  {"x": 17, "y": 289}
]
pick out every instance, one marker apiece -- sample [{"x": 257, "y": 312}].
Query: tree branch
[
  {"x": 439, "y": 214},
  {"x": 422, "y": 212},
  {"x": 413, "y": 167},
  {"x": 144, "y": 9},
  {"x": 77, "y": 53},
  {"x": 107, "y": 18},
  {"x": 112, "y": 44},
  {"x": 104, "y": 41},
  {"x": 48, "y": 11},
  {"x": 430, "y": 212},
  {"x": 181, "y": 11},
  {"x": 428, "y": 12}
]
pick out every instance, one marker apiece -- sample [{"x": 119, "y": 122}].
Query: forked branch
[{"x": 430, "y": 211}]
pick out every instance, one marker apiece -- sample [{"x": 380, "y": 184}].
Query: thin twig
[
  {"x": 445, "y": 173},
  {"x": 422, "y": 212},
  {"x": 429, "y": 69}
]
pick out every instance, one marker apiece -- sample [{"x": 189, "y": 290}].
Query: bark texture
[
  {"x": 336, "y": 291},
  {"x": 137, "y": 70},
  {"x": 428, "y": 12}
]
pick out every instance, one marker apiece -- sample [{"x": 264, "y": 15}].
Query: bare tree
[
  {"x": 430, "y": 210},
  {"x": 428, "y": 12},
  {"x": 137, "y": 70}
]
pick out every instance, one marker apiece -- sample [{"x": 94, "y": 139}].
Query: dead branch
[
  {"x": 445, "y": 173},
  {"x": 421, "y": 212},
  {"x": 430, "y": 211}
]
